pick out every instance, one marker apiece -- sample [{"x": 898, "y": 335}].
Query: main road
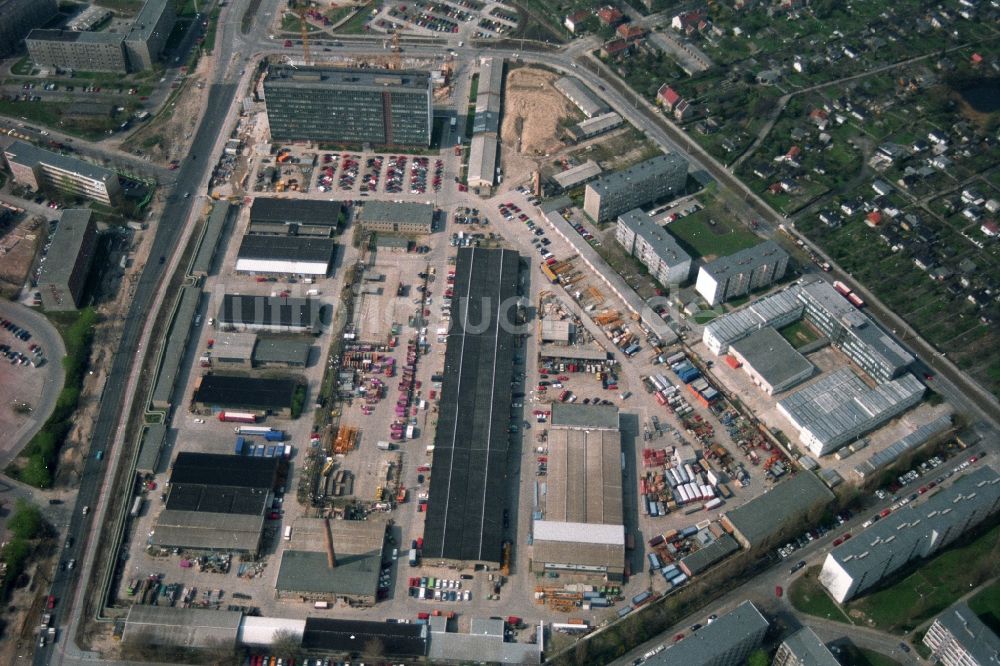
[{"x": 84, "y": 530}]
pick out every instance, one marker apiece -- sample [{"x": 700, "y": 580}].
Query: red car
[
  {"x": 846, "y": 536},
  {"x": 51, "y": 602},
  {"x": 678, "y": 638},
  {"x": 778, "y": 591},
  {"x": 837, "y": 542},
  {"x": 424, "y": 468}
]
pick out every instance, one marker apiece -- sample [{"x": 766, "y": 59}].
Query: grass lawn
[
  {"x": 986, "y": 605},
  {"x": 702, "y": 238},
  {"x": 930, "y": 589},
  {"x": 799, "y": 334},
  {"x": 808, "y": 596},
  {"x": 358, "y": 24}
]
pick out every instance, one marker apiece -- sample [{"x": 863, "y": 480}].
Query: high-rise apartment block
[
  {"x": 615, "y": 193},
  {"x": 377, "y": 106},
  {"x": 959, "y": 638},
  {"x": 740, "y": 273},
  {"x": 61, "y": 280},
  {"x": 651, "y": 244},
  {"x": 38, "y": 168}
]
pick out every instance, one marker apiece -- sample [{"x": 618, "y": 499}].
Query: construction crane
[{"x": 306, "y": 56}]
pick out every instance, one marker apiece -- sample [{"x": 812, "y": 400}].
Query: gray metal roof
[
  {"x": 482, "y": 159},
  {"x": 581, "y": 96},
  {"x": 662, "y": 242},
  {"x": 745, "y": 260},
  {"x": 273, "y": 350},
  {"x": 200, "y": 530},
  {"x": 176, "y": 345},
  {"x": 585, "y": 476},
  {"x": 210, "y": 239},
  {"x": 234, "y": 346},
  {"x": 841, "y": 402},
  {"x": 809, "y": 649},
  {"x": 396, "y": 212},
  {"x": 577, "y": 175},
  {"x": 295, "y": 211},
  {"x": 705, "y": 557},
  {"x": 919, "y": 526},
  {"x": 976, "y": 639},
  {"x": 66, "y": 243},
  {"x": 596, "y": 125},
  {"x": 287, "y": 248},
  {"x": 909, "y": 442},
  {"x": 766, "y": 311},
  {"x": 473, "y": 648},
  {"x": 771, "y": 356},
  {"x": 346, "y": 77},
  {"x": 73, "y": 36},
  {"x": 146, "y": 20},
  {"x": 625, "y": 179},
  {"x": 269, "y": 311},
  {"x": 307, "y": 572},
  {"x": 29, "y": 155},
  {"x": 490, "y": 77},
  {"x": 578, "y": 352},
  {"x": 186, "y": 627},
  {"x": 152, "y": 444},
  {"x": 781, "y": 507},
  {"x": 736, "y": 629},
  {"x": 571, "y": 415}
]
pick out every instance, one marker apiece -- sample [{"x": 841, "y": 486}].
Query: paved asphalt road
[
  {"x": 44, "y": 334},
  {"x": 169, "y": 227}
]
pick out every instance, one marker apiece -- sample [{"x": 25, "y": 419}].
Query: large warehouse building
[
  {"x": 396, "y": 217},
  {"x": 216, "y": 502},
  {"x": 914, "y": 531},
  {"x": 776, "y": 310},
  {"x": 378, "y": 106},
  {"x": 285, "y": 255},
  {"x": 772, "y": 363},
  {"x": 615, "y": 193},
  {"x": 767, "y": 519},
  {"x": 838, "y": 407},
  {"x": 269, "y": 313},
  {"x": 468, "y": 489},
  {"x": 742, "y": 272},
  {"x": 581, "y": 530},
  {"x": 332, "y": 560},
  {"x": 62, "y": 279},
  {"x": 259, "y": 395},
  {"x": 295, "y": 217}
]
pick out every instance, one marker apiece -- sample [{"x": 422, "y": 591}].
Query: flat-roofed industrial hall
[{"x": 468, "y": 489}]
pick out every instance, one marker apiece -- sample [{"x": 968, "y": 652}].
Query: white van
[{"x": 288, "y": 533}]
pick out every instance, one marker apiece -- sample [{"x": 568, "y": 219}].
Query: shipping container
[
  {"x": 321, "y": 605},
  {"x": 288, "y": 533},
  {"x": 238, "y": 417},
  {"x": 713, "y": 504},
  {"x": 238, "y": 449},
  {"x": 275, "y": 436},
  {"x": 641, "y": 598},
  {"x": 413, "y": 557},
  {"x": 654, "y": 560},
  {"x": 252, "y": 430},
  {"x": 136, "y": 507},
  {"x": 384, "y": 446}
]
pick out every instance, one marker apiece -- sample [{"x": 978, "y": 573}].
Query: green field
[
  {"x": 799, "y": 334},
  {"x": 910, "y": 601},
  {"x": 357, "y": 24},
  {"x": 706, "y": 234}
]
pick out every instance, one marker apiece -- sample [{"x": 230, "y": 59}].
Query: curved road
[{"x": 42, "y": 333}]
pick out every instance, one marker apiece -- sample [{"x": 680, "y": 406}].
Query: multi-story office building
[
  {"x": 397, "y": 217},
  {"x": 615, "y": 193},
  {"x": 38, "y": 168},
  {"x": 651, "y": 244},
  {"x": 63, "y": 276},
  {"x": 148, "y": 35},
  {"x": 19, "y": 17},
  {"x": 853, "y": 332},
  {"x": 69, "y": 49},
  {"x": 914, "y": 531},
  {"x": 727, "y": 641},
  {"x": 742, "y": 272},
  {"x": 804, "y": 648},
  {"x": 378, "y": 106},
  {"x": 959, "y": 638}
]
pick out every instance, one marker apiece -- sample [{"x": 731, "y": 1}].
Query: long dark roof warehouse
[{"x": 469, "y": 486}]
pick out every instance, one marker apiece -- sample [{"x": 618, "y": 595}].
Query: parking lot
[{"x": 464, "y": 18}]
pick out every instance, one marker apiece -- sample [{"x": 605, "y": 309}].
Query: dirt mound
[{"x": 533, "y": 109}]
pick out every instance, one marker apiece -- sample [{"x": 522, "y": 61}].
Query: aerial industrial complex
[{"x": 407, "y": 348}]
